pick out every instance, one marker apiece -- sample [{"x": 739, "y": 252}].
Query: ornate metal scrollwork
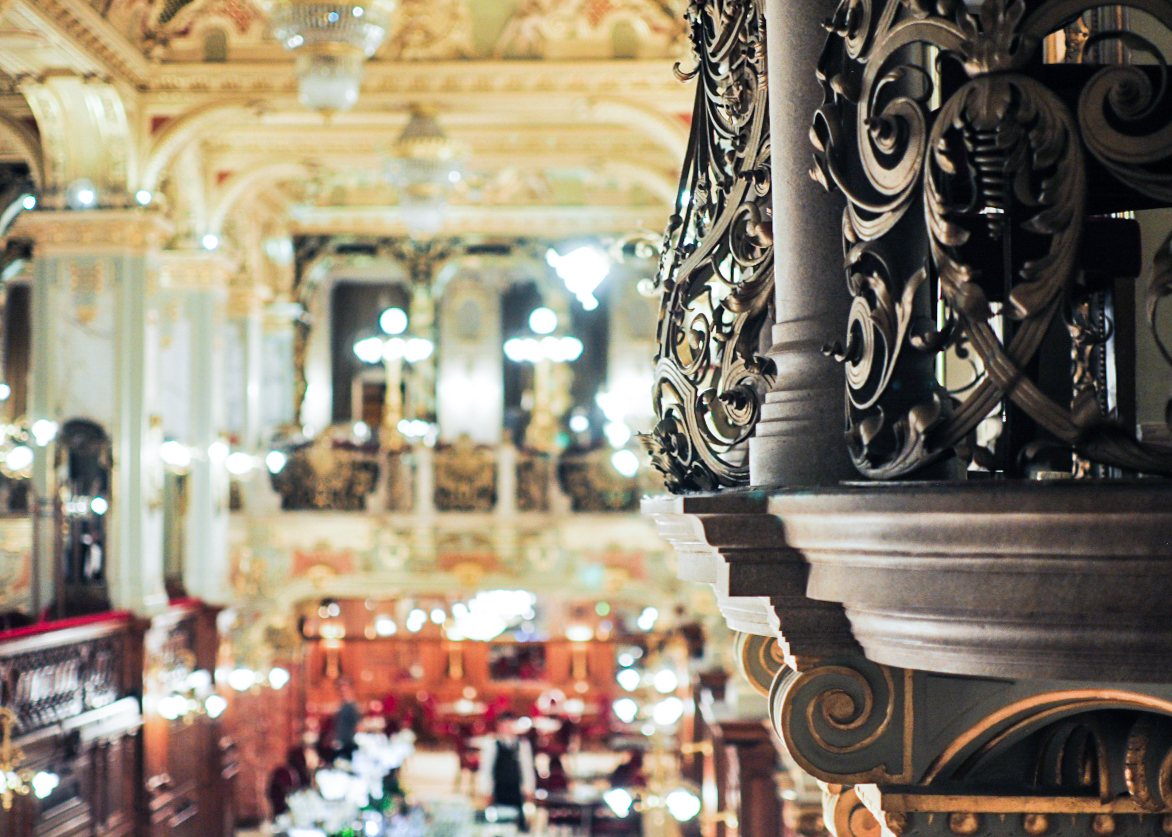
[
  {"x": 465, "y": 477},
  {"x": 716, "y": 269},
  {"x": 967, "y": 186}
]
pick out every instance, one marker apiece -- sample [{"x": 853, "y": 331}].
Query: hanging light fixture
[
  {"x": 424, "y": 165},
  {"x": 330, "y": 42}
]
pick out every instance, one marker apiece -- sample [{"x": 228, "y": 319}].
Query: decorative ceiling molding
[
  {"x": 488, "y": 220},
  {"x": 187, "y": 129},
  {"x": 430, "y": 30},
  {"x": 88, "y": 30},
  {"x": 166, "y": 29},
  {"x": 592, "y": 29},
  {"x": 352, "y": 153},
  {"x": 19, "y": 141},
  {"x": 441, "y": 80},
  {"x": 241, "y": 184}
]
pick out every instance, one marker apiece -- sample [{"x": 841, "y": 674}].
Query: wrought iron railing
[
  {"x": 989, "y": 253},
  {"x": 716, "y": 268}
]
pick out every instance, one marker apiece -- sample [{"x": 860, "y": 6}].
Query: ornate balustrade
[
  {"x": 324, "y": 475},
  {"x": 593, "y": 484},
  {"x": 456, "y": 477},
  {"x": 947, "y": 538},
  {"x": 48, "y": 676},
  {"x": 79, "y": 689},
  {"x": 74, "y": 687}
]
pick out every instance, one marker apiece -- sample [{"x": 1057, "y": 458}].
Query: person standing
[
  {"x": 346, "y": 721},
  {"x": 506, "y": 775}
]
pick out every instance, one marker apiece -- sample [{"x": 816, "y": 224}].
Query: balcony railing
[
  {"x": 973, "y": 269},
  {"x": 51, "y": 675},
  {"x": 457, "y": 477}
]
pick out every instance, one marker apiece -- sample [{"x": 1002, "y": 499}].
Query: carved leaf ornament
[
  {"x": 716, "y": 267},
  {"x": 967, "y": 188}
]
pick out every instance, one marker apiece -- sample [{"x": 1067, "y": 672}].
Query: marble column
[
  {"x": 94, "y": 351},
  {"x": 251, "y": 392},
  {"x": 201, "y": 279}
]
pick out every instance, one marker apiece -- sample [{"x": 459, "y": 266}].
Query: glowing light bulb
[
  {"x": 393, "y": 321},
  {"x": 275, "y": 461},
  {"x": 543, "y": 320}
]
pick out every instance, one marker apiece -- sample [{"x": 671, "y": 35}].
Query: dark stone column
[{"x": 799, "y": 440}]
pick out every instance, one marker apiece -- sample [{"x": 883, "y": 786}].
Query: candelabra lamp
[
  {"x": 543, "y": 350},
  {"x": 393, "y": 352}
]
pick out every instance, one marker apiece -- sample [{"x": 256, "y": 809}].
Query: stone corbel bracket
[
  {"x": 731, "y": 542},
  {"x": 935, "y": 754}
]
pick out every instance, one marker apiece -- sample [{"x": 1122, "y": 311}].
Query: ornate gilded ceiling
[
  {"x": 178, "y": 30},
  {"x": 572, "y": 116}
]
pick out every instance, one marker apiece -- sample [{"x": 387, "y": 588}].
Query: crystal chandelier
[
  {"x": 424, "y": 165},
  {"x": 330, "y": 43}
]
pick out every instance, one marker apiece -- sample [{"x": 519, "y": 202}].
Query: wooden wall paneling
[
  {"x": 745, "y": 771},
  {"x": 557, "y": 661},
  {"x": 74, "y": 690},
  {"x": 185, "y": 791},
  {"x": 602, "y": 664},
  {"x": 476, "y": 664},
  {"x": 19, "y": 820}
]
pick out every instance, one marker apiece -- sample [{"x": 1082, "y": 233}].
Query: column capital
[
  {"x": 93, "y": 232},
  {"x": 246, "y": 299},
  {"x": 195, "y": 270}
]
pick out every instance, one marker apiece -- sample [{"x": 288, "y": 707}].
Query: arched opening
[{"x": 84, "y": 457}]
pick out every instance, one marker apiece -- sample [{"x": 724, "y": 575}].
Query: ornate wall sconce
[
  {"x": 14, "y": 781},
  {"x": 186, "y": 691}
]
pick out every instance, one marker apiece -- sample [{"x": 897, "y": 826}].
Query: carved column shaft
[{"x": 799, "y": 437}]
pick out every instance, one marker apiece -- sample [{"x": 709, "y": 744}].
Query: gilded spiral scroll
[
  {"x": 844, "y": 720},
  {"x": 759, "y": 660}
]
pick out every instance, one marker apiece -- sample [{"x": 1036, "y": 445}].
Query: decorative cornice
[
  {"x": 489, "y": 220},
  {"x": 90, "y": 31},
  {"x": 442, "y": 80},
  {"x": 731, "y": 542},
  {"x": 195, "y": 270},
  {"x": 113, "y": 231},
  {"x": 996, "y": 579},
  {"x": 244, "y": 300}
]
